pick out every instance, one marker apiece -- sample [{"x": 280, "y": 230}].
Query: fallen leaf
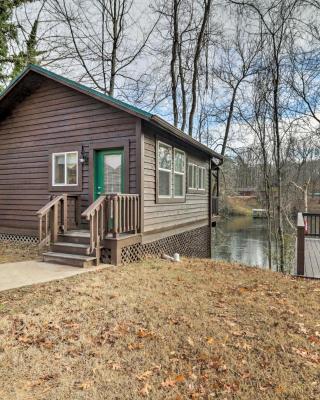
[
  {"x": 210, "y": 340},
  {"x": 190, "y": 341},
  {"x": 180, "y": 378},
  {"x": 145, "y": 390},
  {"x": 84, "y": 385},
  {"x": 135, "y": 346},
  {"x": 144, "y": 333},
  {"x": 172, "y": 382},
  {"x": 145, "y": 375}
]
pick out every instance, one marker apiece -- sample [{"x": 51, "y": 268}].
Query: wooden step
[
  {"x": 79, "y": 237},
  {"x": 71, "y": 248},
  {"x": 75, "y": 260}
]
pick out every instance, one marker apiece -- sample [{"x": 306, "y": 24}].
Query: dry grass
[
  {"x": 12, "y": 252},
  {"x": 194, "y": 330}
]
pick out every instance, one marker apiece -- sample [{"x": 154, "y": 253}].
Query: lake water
[{"x": 241, "y": 239}]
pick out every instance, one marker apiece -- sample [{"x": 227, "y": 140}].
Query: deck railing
[
  {"x": 311, "y": 224},
  {"x": 123, "y": 213},
  {"x": 50, "y": 223},
  {"x": 308, "y": 224},
  {"x": 112, "y": 214},
  {"x": 300, "y": 244}
]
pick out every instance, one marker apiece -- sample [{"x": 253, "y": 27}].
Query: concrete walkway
[{"x": 24, "y": 273}]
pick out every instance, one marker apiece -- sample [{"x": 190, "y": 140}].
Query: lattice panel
[
  {"x": 106, "y": 255},
  {"x": 11, "y": 237},
  {"x": 195, "y": 243}
]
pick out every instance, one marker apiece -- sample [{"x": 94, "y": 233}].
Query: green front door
[{"x": 108, "y": 172}]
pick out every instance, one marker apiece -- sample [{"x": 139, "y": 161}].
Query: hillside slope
[{"x": 194, "y": 330}]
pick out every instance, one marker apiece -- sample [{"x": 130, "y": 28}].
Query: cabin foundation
[{"x": 192, "y": 243}]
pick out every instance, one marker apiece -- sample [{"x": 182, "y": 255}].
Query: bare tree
[
  {"x": 197, "y": 53},
  {"x": 238, "y": 62},
  {"x": 101, "y": 39},
  {"x": 276, "y": 21}
]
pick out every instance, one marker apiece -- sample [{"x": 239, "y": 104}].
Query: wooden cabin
[{"x": 92, "y": 178}]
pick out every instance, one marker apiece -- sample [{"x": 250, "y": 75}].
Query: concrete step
[
  {"x": 75, "y": 260},
  {"x": 71, "y": 248}
]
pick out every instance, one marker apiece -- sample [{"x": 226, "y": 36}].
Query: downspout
[{"x": 213, "y": 166}]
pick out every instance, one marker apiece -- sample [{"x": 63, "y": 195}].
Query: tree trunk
[
  {"x": 175, "y": 43},
  {"x": 230, "y": 115},
  {"x": 183, "y": 90},
  {"x": 278, "y": 162},
  {"x": 114, "y": 49},
  {"x": 197, "y": 54}
]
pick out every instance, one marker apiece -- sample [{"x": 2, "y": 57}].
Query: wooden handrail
[
  {"x": 96, "y": 215},
  {"x": 113, "y": 213},
  {"x": 91, "y": 209},
  {"x": 49, "y": 219},
  {"x": 47, "y": 207},
  {"x": 300, "y": 244}
]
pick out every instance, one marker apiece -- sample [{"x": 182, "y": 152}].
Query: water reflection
[{"x": 241, "y": 239}]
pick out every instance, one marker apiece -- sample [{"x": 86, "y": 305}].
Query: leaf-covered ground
[
  {"x": 194, "y": 330},
  {"x": 12, "y": 252}
]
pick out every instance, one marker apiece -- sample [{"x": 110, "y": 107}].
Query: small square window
[{"x": 65, "y": 169}]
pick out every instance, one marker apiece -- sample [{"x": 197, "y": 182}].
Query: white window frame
[
  {"x": 179, "y": 173},
  {"x": 166, "y": 170},
  {"x": 194, "y": 167},
  {"x": 196, "y": 177},
  {"x": 203, "y": 179},
  {"x": 65, "y": 153}
]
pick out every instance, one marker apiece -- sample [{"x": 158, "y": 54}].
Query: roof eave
[
  {"x": 154, "y": 119},
  {"x": 183, "y": 136},
  {"x": 14, "y": 82}
]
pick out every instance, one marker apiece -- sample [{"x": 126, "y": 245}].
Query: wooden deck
[{"x": 312, "y": 257}]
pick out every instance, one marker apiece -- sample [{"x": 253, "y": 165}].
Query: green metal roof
[
  {"x": 154, "y": 119},
  {"x": 78, "y": 86}
]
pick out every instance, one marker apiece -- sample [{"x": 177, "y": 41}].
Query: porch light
[{"x": 84, "y": 156}]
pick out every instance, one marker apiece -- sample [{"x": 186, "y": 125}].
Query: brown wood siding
[
  {"x": 53, "y": 116},
  {"x": 167, "y": 216}
]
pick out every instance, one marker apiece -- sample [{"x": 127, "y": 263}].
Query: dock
[{"x": 259, "y": 213}]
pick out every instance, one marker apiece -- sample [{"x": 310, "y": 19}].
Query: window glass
[
  {"x": 201, "y": 178},
  {"x": 165, "y": 157},
  {"x": 179, "y": 161},
  {"x": 72, "y": 165},
  {"x": 59, "y": 168},
  {"x": 179, "y": 173},
  {"x": 190, "y": 176},
  {"x": 65, "y": 168},
  {"x": 178, "y": 185},
  {"x": 164, "y": 183},
  {"x": 195, "y": 177},
  {"x": 112, "y": 176}
]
